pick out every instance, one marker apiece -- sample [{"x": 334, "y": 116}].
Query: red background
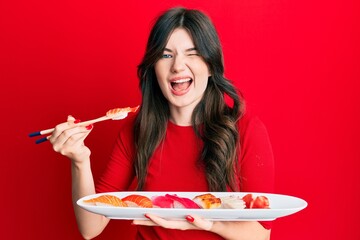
[{"x": 297, "y": 63}]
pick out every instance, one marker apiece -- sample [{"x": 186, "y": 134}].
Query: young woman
[{"x": 184, "y": 138}]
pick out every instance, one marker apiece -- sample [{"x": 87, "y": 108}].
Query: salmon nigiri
[
  {"x": 135, "y": 200},
  {"x": 113, "y": 114},
  {"x": 120, "y": 113},
  {"x": 107, "y": 200}
]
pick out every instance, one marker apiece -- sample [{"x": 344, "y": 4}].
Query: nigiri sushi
[
  {"x": 135, "y": 200},
  {"x": 232, "y": 201},
  {"x": 162, "y": 202},
  {"x": 173, "y": 201},
  {"x": 107, "y": 200},
  {"x": 257, "y": 202},
  {"x": 120, "y": 113},
  {"x": 182, "y": 202},
  {"x": 207, "y": 201},
  {"x": 114, "y": 114}
]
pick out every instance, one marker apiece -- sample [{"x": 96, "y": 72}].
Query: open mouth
[{"x": 181, "y": 84}]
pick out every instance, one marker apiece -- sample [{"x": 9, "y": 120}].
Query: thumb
[{"x": 70, "y": 118}]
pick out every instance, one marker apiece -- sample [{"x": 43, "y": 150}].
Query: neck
[{"x": 181, "y": 116}]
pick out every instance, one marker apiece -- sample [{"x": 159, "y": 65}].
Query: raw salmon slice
[
  {"x": 107, "y": 200},
  {"x": 135, "y": 200}
]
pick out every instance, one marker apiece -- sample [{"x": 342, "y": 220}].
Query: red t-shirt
[{"x": 173, "y": 167}]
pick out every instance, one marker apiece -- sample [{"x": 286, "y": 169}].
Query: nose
[{"x": 178, "y": 64}]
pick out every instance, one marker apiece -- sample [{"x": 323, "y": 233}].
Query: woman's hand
[
  {"x": 238, "y": 230},
  {"x": 192, "y": 222},
  {"x": 68, "y": 139}
]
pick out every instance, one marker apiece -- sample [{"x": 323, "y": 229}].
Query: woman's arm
[
  {"x": 68, "y": 139},
  {"x": 90, "y": 225},
  {"x": 241, "y": 230}
]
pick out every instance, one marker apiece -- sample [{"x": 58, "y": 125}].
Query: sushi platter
[{"x": 278, "y": 205}]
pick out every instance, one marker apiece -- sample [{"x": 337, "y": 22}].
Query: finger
[
  {"x": 171, "y": 224},
  {"x": 199, "y": 222},
  {"x": 69, "y": 137},
  {"x": 70, "y": 118},
  {"x": 77, "y": 141},
  {"x": 72, "y": 135},
  {"x": 144, "y": 223},
  {"x": 71, "y": 121}
]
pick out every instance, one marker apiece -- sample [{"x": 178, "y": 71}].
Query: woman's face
[{"x": 181, "y": 73}]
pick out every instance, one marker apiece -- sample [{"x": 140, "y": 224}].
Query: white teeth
[{"x": 182, "y": 80}]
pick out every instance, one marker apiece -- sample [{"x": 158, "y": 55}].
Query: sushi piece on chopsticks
[{"x": 113, "y": 114}]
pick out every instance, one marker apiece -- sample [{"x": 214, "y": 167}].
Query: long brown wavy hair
[{"x": 213, "y": 120}]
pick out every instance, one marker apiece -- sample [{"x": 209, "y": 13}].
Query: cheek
[
  {"x": 158, "y": 75},
  {"x": 160, "y": 71},
  {"x": 204, "y": 73},
  {"x": 205, "y": 77},
  {"x": 204, "y": 85},
  {"x": 202, "y": 69},
  {"x": 161, "y": 79},
  {"x": 208, "y": 72}
]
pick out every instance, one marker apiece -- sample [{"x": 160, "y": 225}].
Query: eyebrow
[{"x": 186, "y": 50}]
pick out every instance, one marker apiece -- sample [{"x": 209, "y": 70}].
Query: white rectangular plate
[{"x": 280, "y": 206}]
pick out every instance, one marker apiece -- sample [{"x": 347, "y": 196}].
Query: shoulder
[
  {"x": 253, "y": 132},
  {"x": 250, "y": 122}
]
